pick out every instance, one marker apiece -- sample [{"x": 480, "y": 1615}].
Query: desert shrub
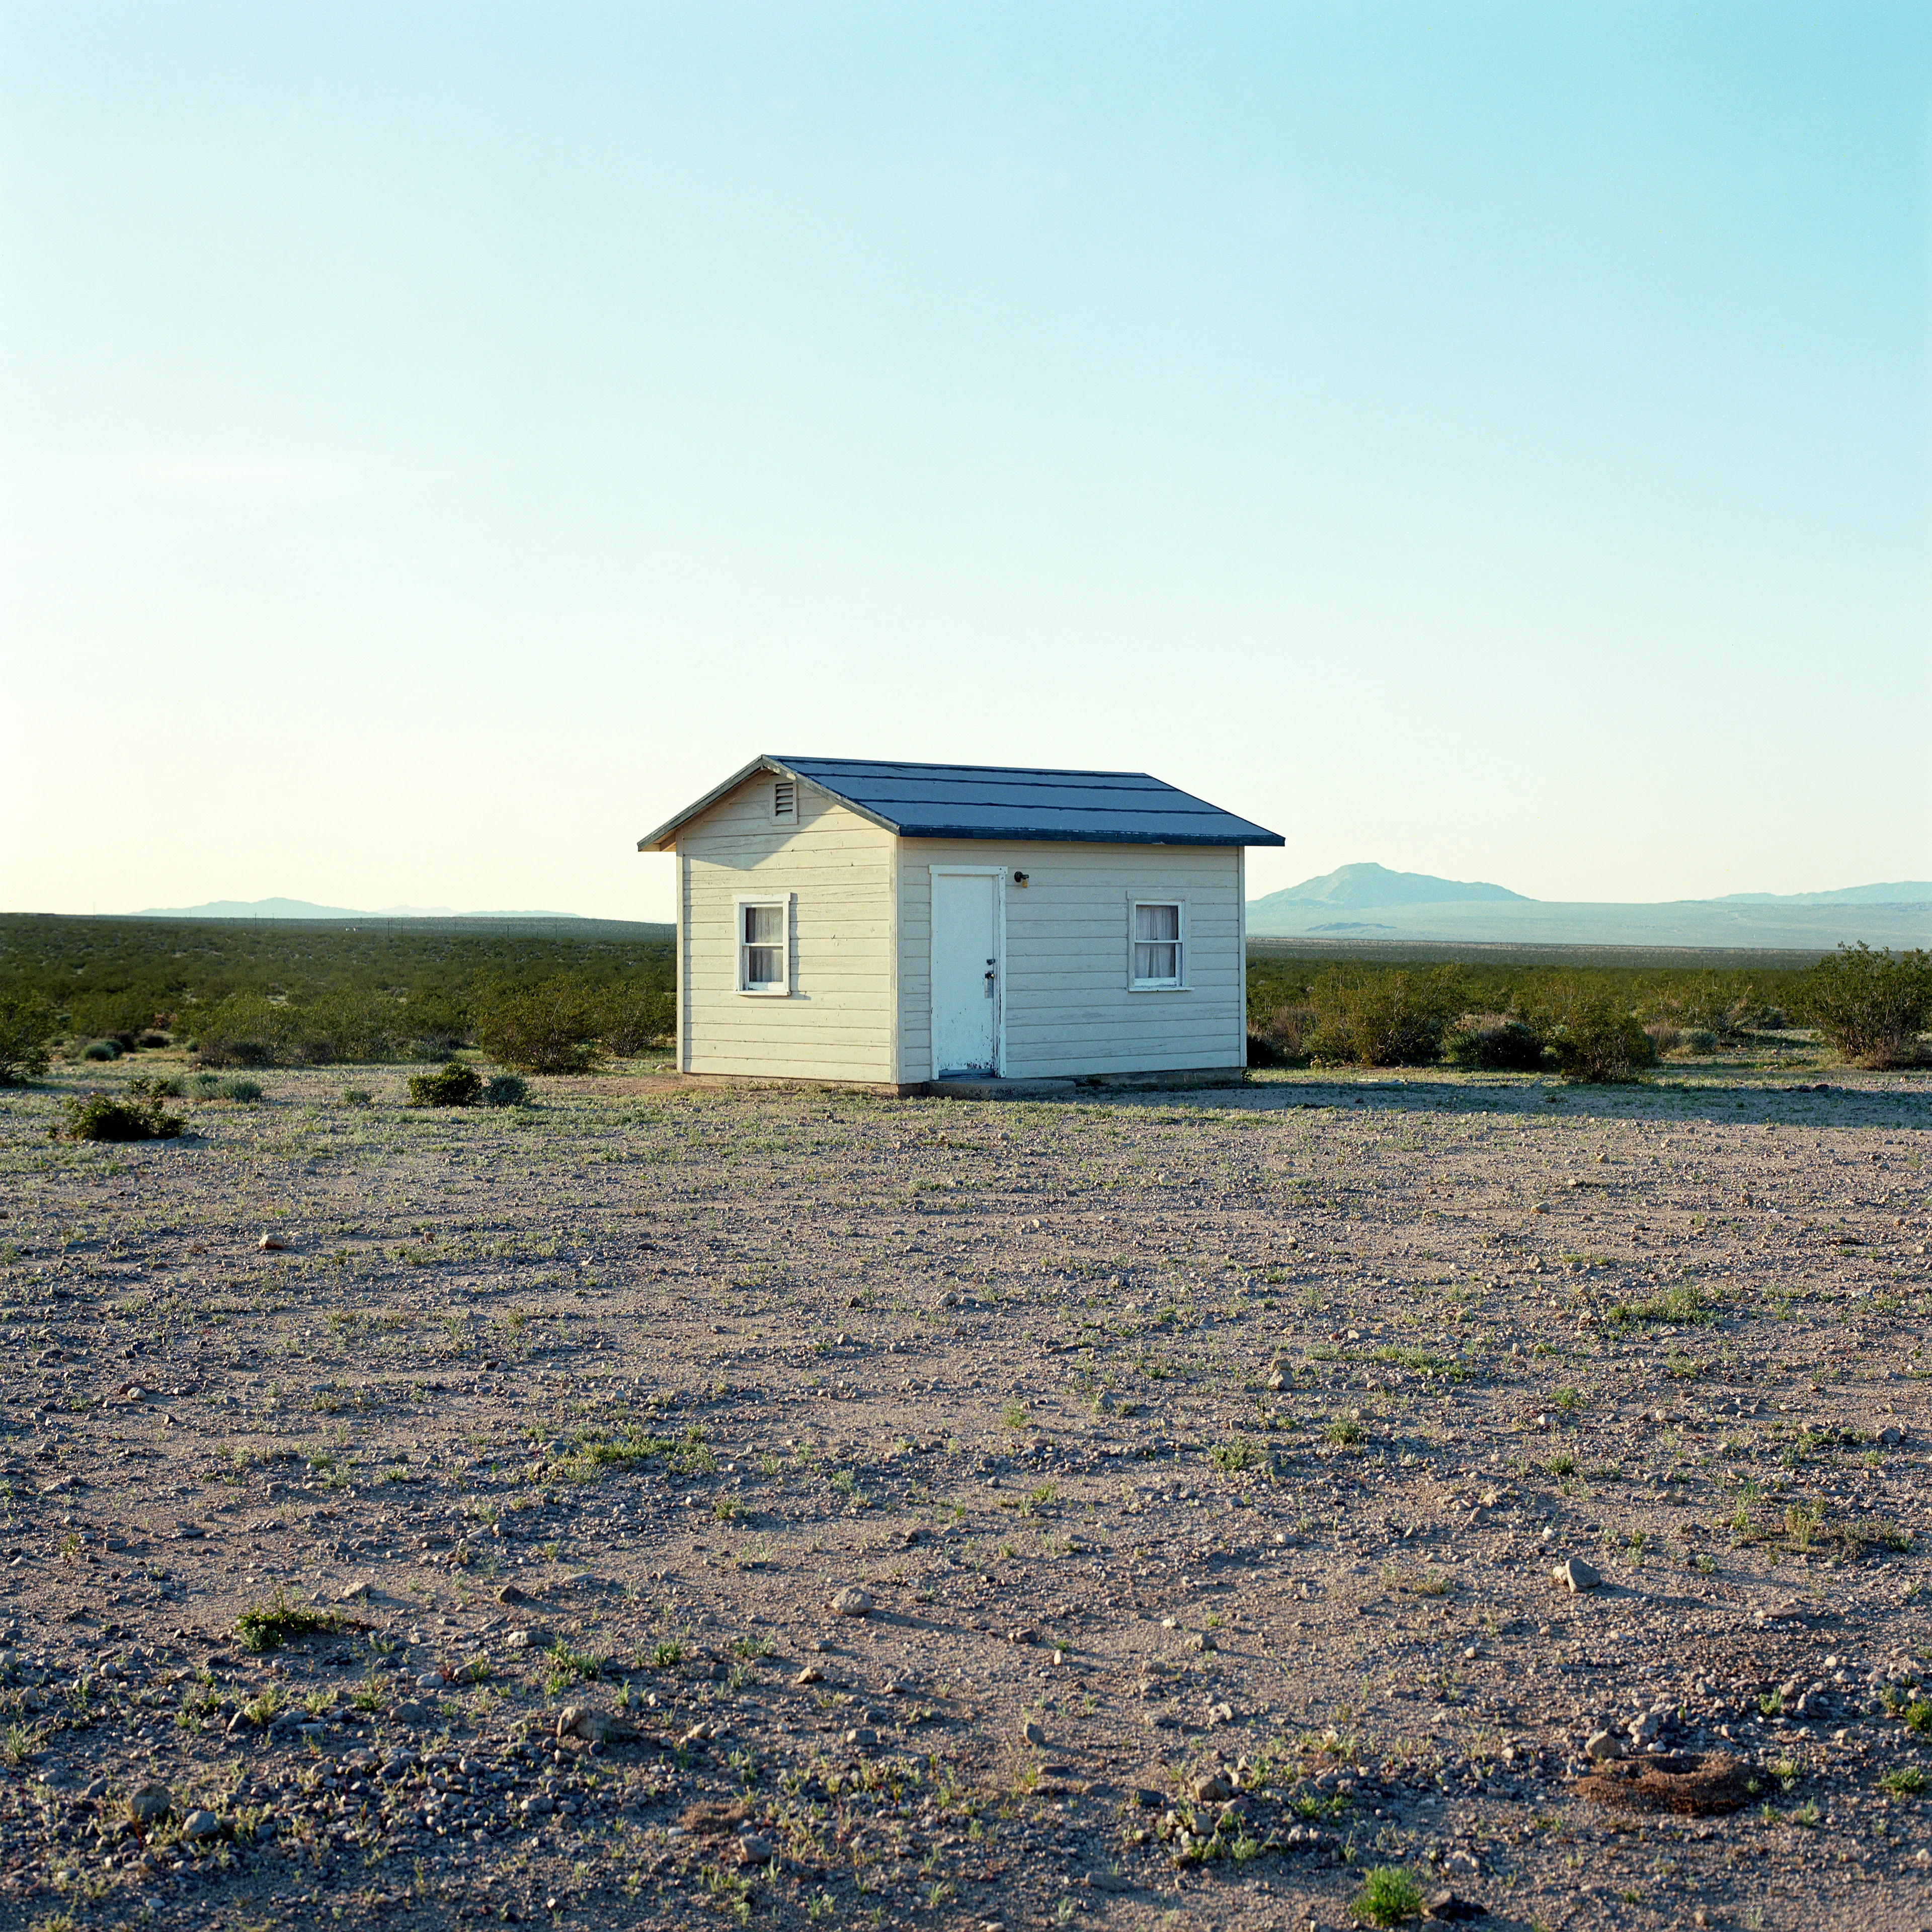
[
  {"x": 1700, "y": 1040},
  {"x": 1872, "y": 1006},
  {"x": 1385, "y": 1019},
  {"x": 204, "y": 1086},
  {"x": 1286, "y": 1032},
  {"x": 1496, "y": 1042},
  {"x": 1664, "y": 1037},
  {"x": 244, "y": 1030},
  {"x": 553, "y": 1026},
  {"x": 1600, "y": 1041},
  {"x": 632, "y": 1018},
  {"x": 358, "y": 1097},
  {"x": 158, "y": 1087},
  {"x": 1399, "y": 1021},
  {"x": 1719, "y": 1003},
  {"x": 237, "y": 1087},
  {"x": 152, "y": 1039},
  {"x": 101, "y": 1049},
  {"x": 351, "y": 1027},
  {"x": 100, "y": 1116},
  {"x": 455, "y": 1085},
  {"x": 123, "y": 1015},
  {"x": 506, "y": 1090},
  {"x": 26, "y": 1026},
  {"x": 354, "y": 1027}
]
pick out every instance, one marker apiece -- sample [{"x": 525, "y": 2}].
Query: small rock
[
  {"x": 415, "y": 1715},
  {"x": 270, "y": 1244},
  {"x": 1032, "y": 1731},
  {"x": 1600, "y": 1746},
  {"x": 1451, "y": 1905},
  {"x": 150, "y": 1803},
  {"x": 755, "y": 1849},
  {"x": 1202, "y": 1640},
  {"x": 1891, "y": 1437},
  {"x": 526, "y": 1640},
  {"x": 1023, "y": 1635},
  {"x": 852, "y": 1602},
  {"x": 594, "y": 1727},
  {"x": 510, "y": 1594},
  {"x": 1212, "y": 1787},
  {"x": 537, "y": 1805},
  {"x": 201, "y": 1824},
  {"x": 1576, "y": 1576},
  {"x": 811, "y": 1674},
  {"x": 430, "y": 1680}
]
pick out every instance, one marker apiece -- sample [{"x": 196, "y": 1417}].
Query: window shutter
[{"x": 785, "y": 802}]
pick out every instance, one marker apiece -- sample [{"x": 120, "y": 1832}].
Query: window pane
[
  {"x": 762, "y": 966},
  {"x": 1161, "y": 922},
  {"x": 764, "y": 925},
  {"x": 1156, "y": 962}
]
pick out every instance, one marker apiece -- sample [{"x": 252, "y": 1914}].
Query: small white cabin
[{"x": 892, "y": 925}]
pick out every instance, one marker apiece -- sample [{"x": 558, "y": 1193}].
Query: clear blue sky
[{"x": 440, "y": 440}]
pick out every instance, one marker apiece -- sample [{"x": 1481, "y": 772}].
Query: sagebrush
[{"x": 1872, "y": 1006}]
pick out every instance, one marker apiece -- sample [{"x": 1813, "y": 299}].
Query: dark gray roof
[{"x": 1000, "y": 802}]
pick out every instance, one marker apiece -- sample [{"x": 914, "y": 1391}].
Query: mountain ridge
[
  {"x": 281, "y": 908},
  {"x": 1365, "y": 884}
]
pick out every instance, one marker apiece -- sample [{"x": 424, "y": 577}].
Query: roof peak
[{"x": 1033, "y": 803}]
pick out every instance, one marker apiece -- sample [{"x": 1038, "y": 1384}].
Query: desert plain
[{"x": 667, "y": 1506}]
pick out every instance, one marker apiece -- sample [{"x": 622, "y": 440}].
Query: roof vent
[{"x": 785, "y": 802}]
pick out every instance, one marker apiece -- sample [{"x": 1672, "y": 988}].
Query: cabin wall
[
  {"x": 1067, "y": 1009},
  {"x": 837, "y": 1022}
]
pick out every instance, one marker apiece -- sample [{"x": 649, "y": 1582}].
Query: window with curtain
[
  {"x": 1157, "y": 944},
  {"x": 762, "y": 947}
]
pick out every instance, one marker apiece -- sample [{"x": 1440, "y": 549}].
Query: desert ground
[{"x": 419, "y": 1515}]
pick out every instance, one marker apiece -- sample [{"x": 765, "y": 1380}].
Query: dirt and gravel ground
[{"x": 1205, "y": 1458}]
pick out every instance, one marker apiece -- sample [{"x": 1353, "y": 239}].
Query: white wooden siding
[
  {"x": 1068, "y": 1008},
  {"x": 838, "y": 1024}
]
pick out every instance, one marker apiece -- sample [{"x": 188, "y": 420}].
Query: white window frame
[
  {"x": 779, "y": 989},
  {"x": 1134, "y": 902}
]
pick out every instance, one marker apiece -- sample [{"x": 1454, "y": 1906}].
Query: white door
[{"x": 965, "y": 973}]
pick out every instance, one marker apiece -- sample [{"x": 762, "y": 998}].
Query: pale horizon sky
[{"x": 437, "y": 441}]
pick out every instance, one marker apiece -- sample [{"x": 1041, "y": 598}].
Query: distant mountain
[
  {"x": 307, "y": 909},
  {"x": 1908, "y": 892},
  {"x": 1412, "y": 906},
  {"x": 1363, "y": 886}
]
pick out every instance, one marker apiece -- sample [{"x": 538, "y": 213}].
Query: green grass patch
[
  {"x": 269, "y": 1626},
  {"x": 1389, "y": 1896},
  {"x": 1684, "y": 1304}
]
